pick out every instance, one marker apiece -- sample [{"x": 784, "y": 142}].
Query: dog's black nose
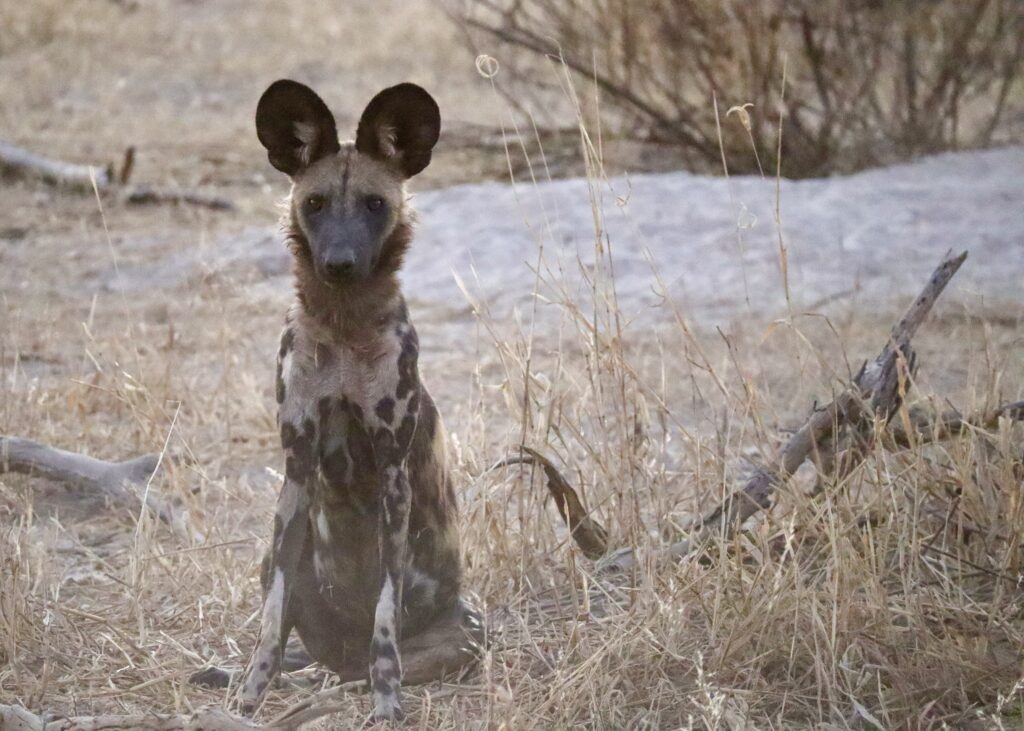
[{"x": 340, "y": 267}]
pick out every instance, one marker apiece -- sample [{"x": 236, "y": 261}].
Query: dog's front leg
[
  {"x": 385, "y": 662},
  {"x": 291, "y": 524},
  {"x": 392, "y": 449}
]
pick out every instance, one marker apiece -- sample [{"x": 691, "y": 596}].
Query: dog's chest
[
  {"x": 332, "y": 394},
  {"x": 360, "y": 373}
]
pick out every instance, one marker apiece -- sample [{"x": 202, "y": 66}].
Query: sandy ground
[{"x": 705, "y": 247}]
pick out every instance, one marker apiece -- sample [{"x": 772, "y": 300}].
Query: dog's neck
[{"x": 350, "y": 312}]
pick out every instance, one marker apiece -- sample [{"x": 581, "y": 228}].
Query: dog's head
[{"x": 347, "y": 199}]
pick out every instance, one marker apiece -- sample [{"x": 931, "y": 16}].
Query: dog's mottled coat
[{"x": 365, "y": 552}]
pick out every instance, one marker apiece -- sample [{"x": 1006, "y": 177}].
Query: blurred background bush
[{"x": 867, "y": 82}]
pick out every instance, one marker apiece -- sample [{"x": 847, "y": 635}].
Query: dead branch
[
  {"x": 840, "y": 454},
  {"x": 123, "y": 483},
  {"x": 876, "y": 393},
  {"x": 16, "y": 718},
  {"x": 148, "y": 194},
  {"x": 928, "y": 426},
  {"x": 925, "y": 426},
  {"x": 124, "y": 174},
  {"x": 19, "y": 161},
  {"x": 322, "y": 703}
]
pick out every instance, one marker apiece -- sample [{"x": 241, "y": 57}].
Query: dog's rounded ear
[
  {"x": 400, "y": 126},
  {"x": 295, "y": 126}
]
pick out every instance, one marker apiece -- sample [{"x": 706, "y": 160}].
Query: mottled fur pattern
[{"x": 365, "y": 552}]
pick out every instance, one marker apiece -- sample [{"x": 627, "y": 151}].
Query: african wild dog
[{"x": 365, "y": 549}]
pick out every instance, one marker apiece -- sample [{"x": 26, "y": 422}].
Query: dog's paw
[
  {"x": 387, "y": 707},
  {"x": 249, "y": 699}
]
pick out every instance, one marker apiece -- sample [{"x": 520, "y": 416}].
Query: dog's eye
[
  {"x": 374, "y": 202},
  {"x": 315, "y": 202}
]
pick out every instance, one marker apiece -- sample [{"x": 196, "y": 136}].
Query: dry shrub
[{"x": 867, "y": 82}]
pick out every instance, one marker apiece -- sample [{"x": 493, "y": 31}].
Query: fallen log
[
  {"x": 19, "y": 161},
  {"x": 73, "y": 176},
  {"x": 876, "y": 392},
  {"x": 123, "y": 483}
]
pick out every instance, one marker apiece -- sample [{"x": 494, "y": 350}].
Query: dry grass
[{"x": 891, "y": 601}]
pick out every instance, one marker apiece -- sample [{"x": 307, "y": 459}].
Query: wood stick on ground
[
  {"x": 928, "y": 426},
  {"x": 78, "y": 177},
  {"x": 20, "y": 161},
  {"x": 16, "y": 718},
  {"x": 843, "y": 452},
  {"x": 925, "y": 426},
  {"x": 322, "y": 703},
  {"x": 140, "y": 194},
  {"x": 123, "y": 483},
  {"x": 876, "y": 390}
]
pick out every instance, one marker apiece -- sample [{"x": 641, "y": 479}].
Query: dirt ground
[{"x": 833, "y": 614}]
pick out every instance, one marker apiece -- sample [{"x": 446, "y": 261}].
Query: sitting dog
[
  {"x": 365, "y": 551},
  {"x": 366, "y": 546}
]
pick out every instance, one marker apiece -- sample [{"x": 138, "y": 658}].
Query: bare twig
[
  {"x": 149, "y": 194},
  {"x": 127, "y": 166}
]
